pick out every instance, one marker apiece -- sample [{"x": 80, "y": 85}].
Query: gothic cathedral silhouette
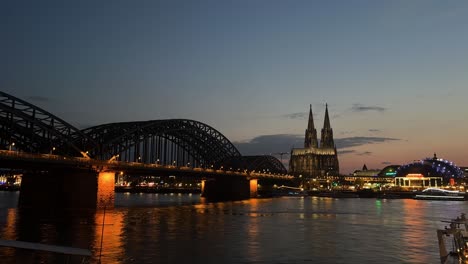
[{"x": 315, "y": 160}]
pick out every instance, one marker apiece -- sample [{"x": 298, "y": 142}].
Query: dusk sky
[{"x": 394, "y": 73}]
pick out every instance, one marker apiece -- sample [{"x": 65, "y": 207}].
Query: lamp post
[
  {"x": 12, "y": 145},
  {"x": 52, "y": 150}
]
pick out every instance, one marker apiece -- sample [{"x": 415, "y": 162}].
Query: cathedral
[{"x": 315, "y": 160}]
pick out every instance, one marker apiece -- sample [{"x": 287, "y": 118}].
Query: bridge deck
[{"x": 51, "y": 160}]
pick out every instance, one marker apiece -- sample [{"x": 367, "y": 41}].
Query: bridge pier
[
  {"x": 229, "y": 188},
  {"x": 67, "y": 188},
  {"x": 105, "y": 189}
]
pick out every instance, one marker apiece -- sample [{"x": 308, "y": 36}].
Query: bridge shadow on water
[{"x": 51, "y": 226}]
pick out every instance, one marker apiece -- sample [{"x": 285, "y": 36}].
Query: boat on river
[
  {"x": 85, "y": 254},
  {"x": 289, "y": 191},
  {"x": 454, "y": 237},
  {"x": 440, "y": 194}
]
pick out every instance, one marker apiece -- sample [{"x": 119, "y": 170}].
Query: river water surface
[{"x": 152, "y": 228}]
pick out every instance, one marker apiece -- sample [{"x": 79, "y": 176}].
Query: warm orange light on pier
[
  {"x": 203, "y": 186},
  {"x": 253, "y": 187},
  {"x": 105, "y": 193}
]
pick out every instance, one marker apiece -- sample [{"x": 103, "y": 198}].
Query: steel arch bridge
[
  {"x": 261, "y": 163},
  {"x": 29, "y": 128},
  {"x": 180, "y": 142}
]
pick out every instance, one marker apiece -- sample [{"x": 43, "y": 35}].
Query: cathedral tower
[
  {"x": 310, "y": 140},
  {"x": 326, "y": 140},
  {"x": 313, "y": 160}
]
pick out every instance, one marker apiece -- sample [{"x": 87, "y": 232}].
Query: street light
[
  {"x": 12, "y": 145},
  {"x": 52, "y": 150}
]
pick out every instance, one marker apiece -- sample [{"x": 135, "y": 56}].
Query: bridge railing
[{"x": 80, "y": 161}]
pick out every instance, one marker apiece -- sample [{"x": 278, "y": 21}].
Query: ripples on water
[{"x": 151, "y": 228}]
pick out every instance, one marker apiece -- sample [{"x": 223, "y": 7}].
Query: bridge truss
[
  {"x": 179, "y": 142},
  {"x": 28, "y": 128}
]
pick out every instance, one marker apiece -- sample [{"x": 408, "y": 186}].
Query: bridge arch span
[
  {"x": 32, "y": 129},
  {"x": 181, "y": 142},
  {"x": 259, "y": 163}
]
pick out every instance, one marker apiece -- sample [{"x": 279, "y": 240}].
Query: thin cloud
[
  {"x": 270, "y": 144},
  {"x": 365, "y": 153},
  {"x": 359, "y": 141},
  {"x": 374, "y": 130},
  {"x": 346, "y": 132},
  {"x": 386, "y": 162},
  {"x": 363, "y": 108},
  {"x": 347, "y": 151},
  {"x": 297, "y": 116}
]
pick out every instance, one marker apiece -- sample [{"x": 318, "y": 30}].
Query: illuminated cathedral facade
[{"x": 315, "y": 160}]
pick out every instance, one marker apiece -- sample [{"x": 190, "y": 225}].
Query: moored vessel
[{"x": 440, "y": 194}]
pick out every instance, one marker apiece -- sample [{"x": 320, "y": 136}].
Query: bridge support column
[
  {"x": 253, "y": 188},
  {"x": 232, "y": 188},
  {"x": 105, "y": 189},
  {"x": 67, "y": 188}
]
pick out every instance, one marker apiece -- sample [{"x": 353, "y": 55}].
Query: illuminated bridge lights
[{"x": 171, "y": 143}]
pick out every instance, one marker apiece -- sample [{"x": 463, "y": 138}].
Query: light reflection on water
[{"x": 151, "y": 228}]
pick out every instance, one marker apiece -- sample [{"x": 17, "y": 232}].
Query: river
[{"x": 152, "y": 228}]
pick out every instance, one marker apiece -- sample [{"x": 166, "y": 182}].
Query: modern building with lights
[
  {"x": 315, "y": 160},
  {"x": 429, "y": 172}
]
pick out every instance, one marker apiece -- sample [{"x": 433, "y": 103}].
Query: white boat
[
  {"x": 289, "y": 191},
  {"x": 440, "y": 194},
  {"x": 455, "y": 237},
  {"x": 84, "y": 253}
]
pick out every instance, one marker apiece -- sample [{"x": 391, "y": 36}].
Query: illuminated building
[
  {"x": 313, "y": 160},
  {"x": 430, "y": 172},
  {"x": 366, "y": 172}
]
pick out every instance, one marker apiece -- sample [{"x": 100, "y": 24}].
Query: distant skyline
[{"x": 392, "y": 72}]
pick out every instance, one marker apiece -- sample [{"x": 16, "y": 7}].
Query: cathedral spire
[
  {"x": 310, "y": 125},
  {"x": 326, "y": 122},
  {"x": 310, "y": 140},
  {"x": 326, "y": 140}
]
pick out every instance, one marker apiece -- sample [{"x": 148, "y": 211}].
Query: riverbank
[
  {"x": 9, "y": 188},
  {"x": 147, "y": 189},
  {"x": 366, "y": 193}
]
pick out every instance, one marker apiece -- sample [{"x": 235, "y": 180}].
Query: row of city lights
[
  {"x": 158, "y": 160},
  {"x": 188, "y": 164},
  {"x": 10, "y": 147}
]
